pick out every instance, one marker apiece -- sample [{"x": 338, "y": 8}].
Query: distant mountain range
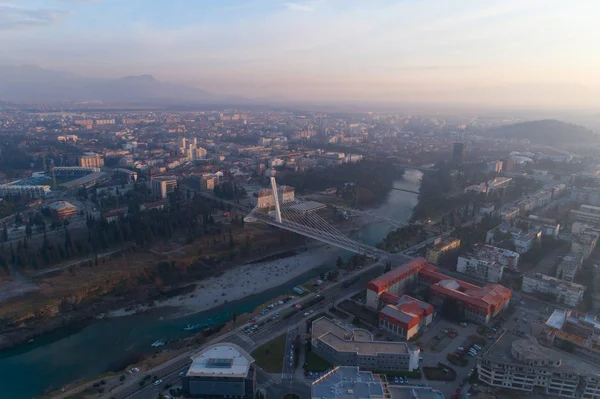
[
  {"x": 547, "y": 131},
  {"x": 35, "y": 84}
]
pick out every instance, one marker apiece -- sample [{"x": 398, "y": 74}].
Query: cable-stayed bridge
[{"x": 292, "y": 215}]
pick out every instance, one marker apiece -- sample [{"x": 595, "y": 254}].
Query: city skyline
[{"x": 321, "y": 50}]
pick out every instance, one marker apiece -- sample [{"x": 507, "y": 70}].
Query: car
[
  {"x": 306, "y": 314},
  {"x": 396, "y": 379},
  {"x": 158, "y": 382},
  {"x": 477, "y": 347},
  {"x": 182, "y": 373},
  {"x": 135, "y": 370},
  {"x": 473, "y": 350},
  {"x": 460, "y": 348},
  {"x": 291, "y": 364},
  {"x": 311, "y": 311},
  {"x": 405, "y": 380},
  {"x": 445, "y": 331},
  {"x": 472, "y": 354}
]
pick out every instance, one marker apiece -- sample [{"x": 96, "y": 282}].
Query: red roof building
[
  {"x": 480, "y": 304},
  {"x": 405, "y": 316}
]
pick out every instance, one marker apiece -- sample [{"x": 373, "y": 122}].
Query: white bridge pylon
[
  {"x": 276, "y": 200},
  {"x": 289, "y": 214}
]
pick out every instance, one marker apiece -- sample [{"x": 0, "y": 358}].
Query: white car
[{"x": 158, "y": 382}]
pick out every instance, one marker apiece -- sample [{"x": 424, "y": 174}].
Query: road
[{"x": 169, "y": 372}]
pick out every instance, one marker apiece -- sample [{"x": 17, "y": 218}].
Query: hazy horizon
[{"x": 521, "y": 52}]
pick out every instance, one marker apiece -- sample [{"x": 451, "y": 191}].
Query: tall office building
[
  {"x": 459, "y": 152},
  {"x": 162, "y": 186}
]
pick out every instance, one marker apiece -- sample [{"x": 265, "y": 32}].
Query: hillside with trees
[{"x": 547, "y": 131}]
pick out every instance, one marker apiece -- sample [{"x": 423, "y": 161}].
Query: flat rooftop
[
  {"x": 305, "y": 207},
  {"x": 557, "y": 319},
  {"x": 406, "y": 392},
  {"x": 347, "y": 383},
  {"x": 501, "y": 352},
  {"x": 221, "y": 360},
  {"x": 356, "y": 340},
  {"x": 84, "y": 180}
]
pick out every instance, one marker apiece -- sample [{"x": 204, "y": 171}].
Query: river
[{"x": 75, "y": 353}]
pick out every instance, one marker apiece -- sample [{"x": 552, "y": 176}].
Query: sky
[{"x": 330, "y": 50}]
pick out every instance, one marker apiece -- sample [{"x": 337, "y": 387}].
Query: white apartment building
[
  {"x": 566, "y": 292},
  {"x": 265, "y": 196},
  {"x": 524, "y": 365},
  {"x": 487, "y": 270}
]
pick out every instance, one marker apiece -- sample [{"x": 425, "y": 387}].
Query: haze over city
[{"x": 492, "y": 52}]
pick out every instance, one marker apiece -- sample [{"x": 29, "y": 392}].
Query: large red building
[
  {"x": 480, "y": 304},
  {"x": 404, "y": 315}
]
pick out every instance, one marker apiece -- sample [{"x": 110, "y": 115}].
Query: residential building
[
  {"x": 494, "y": 166},
  {"x": 482, "y": 269},
  {"x": 441, "y": 247},
  {"x": 584, "y": 243},
  {"x": 487, "y": 262},
  {"x": 568, "y": 267},
  {"x": 91, "y": 160},
  {"x": 509, "y": 214},
  {"x": 222, "y": 370},
  {"x": 265, "y": 196},
  {"x": 561, "y": 291},
  {"x": 580, "y": 330},
  {"x": 208, "y": 182},
  {"x": 356, "y": 347},
  {"x": 413, "y": 392},
  {"x": 162, "y": 186},
  {"x": 524, "y": 365},
  {"x": 589, "y": 214},
  {"x": 522, "y": 240},
  {"x": 489, "y": 186},
  {"x": 404, "y": 316},
  {"x": 586, "y": 195},
  {"x": 549, "y": 227}
]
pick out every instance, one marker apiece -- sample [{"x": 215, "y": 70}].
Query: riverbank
[{"x": 239, "y": 282}]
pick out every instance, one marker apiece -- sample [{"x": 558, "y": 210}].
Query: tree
[
  {"x": 388, "y": 267},
  {"x": 339, "y": 263},
  {"x": 28, "y": 230},
  {"x": 5, "y": 233},
  {"x": 234, "y": 317},
  {"x": 568, "y": 346}
]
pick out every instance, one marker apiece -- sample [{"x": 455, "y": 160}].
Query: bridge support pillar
[{"x": 276, "y": 200}]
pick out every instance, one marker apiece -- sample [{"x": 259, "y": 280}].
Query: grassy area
[
  {"x": 315, "y": 362},
  {"x": 439, "y": 373},
  {"x": 270, "y": 356}
]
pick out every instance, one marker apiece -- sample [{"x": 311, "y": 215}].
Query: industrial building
[
  {"x": 221, "y": 370},
  {"x": 356, "y": 347},
  {"x": 561, "y": 291},
  {"x": 524, "y": 365}
]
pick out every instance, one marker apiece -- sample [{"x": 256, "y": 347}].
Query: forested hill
[{"x": 547, "y": 131}]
